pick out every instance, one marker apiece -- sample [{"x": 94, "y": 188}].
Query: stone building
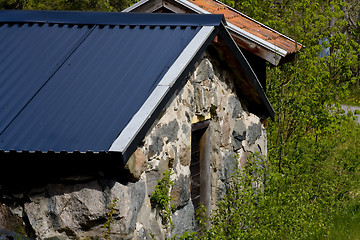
[{"x": 97, "y": 106}]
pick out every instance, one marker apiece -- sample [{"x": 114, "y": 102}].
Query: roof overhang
[{"x": 245, "y": 39}]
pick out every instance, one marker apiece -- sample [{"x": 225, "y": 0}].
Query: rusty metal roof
[
  {"x": 250, "y": 25},
  {"x": 249, "y": 34}
]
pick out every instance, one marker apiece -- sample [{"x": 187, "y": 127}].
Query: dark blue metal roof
[{"x": 74, "y": 86}]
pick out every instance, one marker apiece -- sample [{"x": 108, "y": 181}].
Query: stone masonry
[{"x": 78, "y": 210}]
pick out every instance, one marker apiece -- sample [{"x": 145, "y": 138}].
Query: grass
[{"x": 347, "y": 222}]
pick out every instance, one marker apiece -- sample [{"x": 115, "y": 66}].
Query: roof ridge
[{"x": 109, "y": 18}]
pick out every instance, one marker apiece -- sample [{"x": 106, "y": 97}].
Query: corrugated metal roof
[{"x": 69, "y": 87}]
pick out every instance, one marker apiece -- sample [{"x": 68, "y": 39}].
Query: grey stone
[
  {"x": 156, "y": 145},
  {"x": 204, "y": 71},
  {"x": 215, "y": 133},
  {"x": 164, "y": 164},
  {"x": 130, "y": 198},
  {"x": 172, "y": 156},
  {"x": 185, "y": 128},
  {"x": 214, "y": 160},
  {"x": 66, "y": 209},
  {"x": 170, "y": 130},
  {"x": 156, "y": 230},
  {"x": 199, "y": 99},
  {"x": 225, "y": 131},
  {"x": 239, "y": 134},
  {"x": 151, "y": 181},
  {"x": 137, "y": 196},
  {"x": 72, "y": 211},
  {"x": 254, "y": 132},
  {"x": 229, "y": 166},
  {"x": 59, "y": 237},
  {"x": 221, "y": 191},
  {"x": 180, "y": 192},
  {"x": 184, "y": 219},
  {"x": 141, "y": 234},
  {"x": 185, "y": 155},
  {"x": 235, "y": 106},
  {"x": 202, "y": 100}
]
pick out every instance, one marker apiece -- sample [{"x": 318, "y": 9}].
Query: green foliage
[
  {"x": 239, "y": 215},
  {"x": 354, "y": 97},
  {"x": 72, "y": 5},
  {"x": 109, "y": 218},
  {"x": 161, "y": 197},
  {"x": 10, "y": 4},
  {"x": 313, "y": 167},
  {"x": 309, "y": 199}
]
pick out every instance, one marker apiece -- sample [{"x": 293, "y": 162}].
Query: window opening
[{"x": 200, "y": 166}]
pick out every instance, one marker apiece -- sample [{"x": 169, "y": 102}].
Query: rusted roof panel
[
  {"x": 249, "y": 34},
  {"x": 243, "y": 22}
]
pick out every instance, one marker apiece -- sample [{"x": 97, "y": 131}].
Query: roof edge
[
  {"x": 126, "y": 137},
  {"x": 257, "y": 40},
  {"x": 263, "y": 25},
  {"x": 236, "y": 29},
  {"x": 109, "y": 18},
  {"x": 269, "y": 46},
  {"x": 247, "y": 67},
  {"x": 200, "y": 10},
  {"x": 192, "y": 6}
]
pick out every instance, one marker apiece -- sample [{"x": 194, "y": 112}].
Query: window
[{"x": 200, "y": 165}]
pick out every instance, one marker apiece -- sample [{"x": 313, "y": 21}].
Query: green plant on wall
[
  {"x": 161, "y": 197},
  {"x": 109, "y": 219}
]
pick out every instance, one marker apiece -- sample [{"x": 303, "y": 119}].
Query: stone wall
[{"x": 78, "y": 210}]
